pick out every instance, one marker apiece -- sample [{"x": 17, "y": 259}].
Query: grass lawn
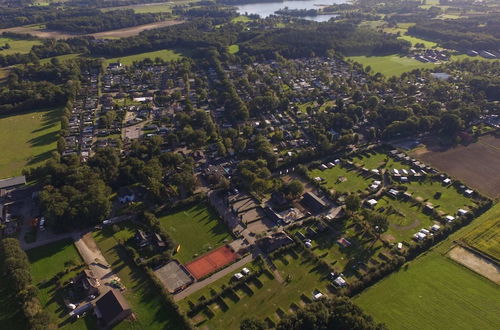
[
  {"x": 165, "y": 54},
  {"x": 415, "y": 40},
  {"x": 165, "y": 7},
  {"x": 433, "y": 292},
  {"x": 486, "y": 236},
  {"x": 379, "y": 160},
  {"x": 449, "y": 202},
  {"x": 267, "y": 297},
  {"x": 461, "y": 57},
  {"x": 27, "y": 139},
  {"x": 47, "y": 261},
  {"x": 391, "y": 65},
  {"x": 17, "y": 45},
  {"x": 355, "y": 181},
  {"x": 197, "y": 230},
  {"x": 241, "y": 19},
  {"x": 405, "y": 219},
  {"x": 61, "y": 58},
  {"x": 233, "y": 49},
  {"x": 146, "y": 303}
]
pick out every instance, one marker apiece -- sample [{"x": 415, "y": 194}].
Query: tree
[
  {"x": 252, "y": 324},
  {"x": 353, "y": 202},
  {"x": 294, "y": 188}
]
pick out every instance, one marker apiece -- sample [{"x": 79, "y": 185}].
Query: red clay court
[{"x": 211, "y": 261}]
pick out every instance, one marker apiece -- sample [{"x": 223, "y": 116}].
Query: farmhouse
[{"x": 112, "y": 308}]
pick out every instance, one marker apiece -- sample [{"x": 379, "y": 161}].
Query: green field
[
  {"x": 266, "y": 297},
  {"x": 415, "y": 40},
  {"x": 379, "y": 160},
  {"x": 146, "y": 303},
  {"x": 486, "y": 237},
  {"x": 391, "y": 65},
  {"x": 354, "y": 180},
  {"x": 233, "y": 49},
  {"x": 165, "y": 54},
  {"x": 165, "y": 7},
  {"x": 241, "y": 19},
  {"x": 47, "y": 261},
  {"x": 433, "y": 292},
  {"x": 449, "y": 202},
  {"x": 197, "y": 230},
  {"x": 27, "y": 139},
  {"x": 17, "y": 46},
  {"x": 61, "y": 58}
]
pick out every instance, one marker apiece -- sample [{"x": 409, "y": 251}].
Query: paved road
[{"x": 201, "y": 284}]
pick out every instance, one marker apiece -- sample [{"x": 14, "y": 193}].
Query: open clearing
[
  {"x": 41, "y": 32},
  {"x": 17, "y": 45},
  {"x": 27, "y": 139},
  {"x": 165, "y": 54},
  {"x": 476, "y": 263},
  {"x": 476, "y": 164},
  {"x": 391, "y": 65},
  {"x": 196, "y": 229}
]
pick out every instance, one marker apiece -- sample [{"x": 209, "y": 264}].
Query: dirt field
[
  {"x": 210, "y": 262},
  {"x": 477, "y": 164},
  {"x": 476, "y": 263},
  {"x": 120, "y": 33}
]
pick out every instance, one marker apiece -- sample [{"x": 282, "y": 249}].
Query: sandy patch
[{"x": 477, "y": 263}]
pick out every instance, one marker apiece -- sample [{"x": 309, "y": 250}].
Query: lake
[{"x": 264, "y": 9}]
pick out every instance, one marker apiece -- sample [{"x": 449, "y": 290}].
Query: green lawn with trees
[
  {"x": 197, "y": 230},
  {"x": 341, "y": 179},
  {"x": 378, "y": 160},
  {"x": 16, "y": 45},
  {"x": 140, "y": 292},
  {"x": 27, "y": 139},
  {"x": 165, "y": 54}
]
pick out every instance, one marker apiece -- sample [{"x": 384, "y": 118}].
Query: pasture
[
  {"x": 17, "y": 45},
  {"x": 300, "y": 279},
  {"x": 165, "y": 54},
  {"x": 476, "y": 164},
  {"x": 140, "y": 292},
  {"x": 197, "y": 230},
  {"x": 342, "y": 179},
  {"x": 433, "y": 292},
  {"x": 46, "y": 261},
  {"x": 27, "y": 139},
  {"x": 391, "y": 65}
]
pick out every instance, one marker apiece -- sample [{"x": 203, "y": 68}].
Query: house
[
  {"x": 313, "y": 202},
  {"x": 87, "y": 282},
  {"x": 447, "y": 181},
  {"x": 112, "y": 308},
  {"x": 340, "y": 282},
  {"x": 393, "y": 193},
  {"x": 462, "y": 212},
  {"x": 371, "y": 203},
  {"x": 275, "y": 241},
  {"x": 449, "y": 218},
  {"x": 468, "y": 192},
  {"x": 12, "y": 183}
]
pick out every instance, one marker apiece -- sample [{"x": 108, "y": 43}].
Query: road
[{"x": 201, "y": 284}]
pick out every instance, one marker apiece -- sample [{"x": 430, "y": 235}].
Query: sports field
[
  {"x": 27, "y": 139},
  {"x": 196, "y": 229},
  {"x": 476, "y": 164},
  {"x": 165, "y": 54},
  {"x": 210, "y": 262},
  {"x": 433, "y": 292},
  {"x": 391, "y": 65}
]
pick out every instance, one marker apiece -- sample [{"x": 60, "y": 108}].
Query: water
[{"x": 265, "y": 9}]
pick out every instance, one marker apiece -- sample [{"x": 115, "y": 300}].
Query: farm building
[
  {"x": 112, "y": 308},
  {"x": 313, "y": 202}
]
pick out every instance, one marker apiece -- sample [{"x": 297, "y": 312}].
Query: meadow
[
  {"x": 433, "y": 292},
  {"x": 27, "y": 139},
  {"x": 391, "y": 65},
  {"x": 165, "y": 54},
  {"x": 140, "y": 293},
  {"x": 266, "y": 297},
  {"x": 46, "y": 261},
  {"x": 352, "y": 179},
  {"x": 17, "y": 45},
  {"x": 197, "y": 230}
]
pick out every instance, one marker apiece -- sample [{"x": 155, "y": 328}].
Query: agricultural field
[
  {"x": 444, "y": 198},
  {"x": 165, "y": 54},
  {"x": 391, "y": 65},
  {"x": 342, "y": 179},
  {"x": 197, "y": 222},
  {"x": 476, "y": 164},
  {"x": 433, "y": 292},
  {"x": 17, "y": 45},
  {"x": 27, "y": 139},
  {"x": 300, "y": 279},
  {"x": 486, "y": 237},
  {"x": 46, "y": 262},
  {"x": 140, "y": 292}
]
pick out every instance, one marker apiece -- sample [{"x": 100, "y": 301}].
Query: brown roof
[{"x": 111, "y": 305}]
